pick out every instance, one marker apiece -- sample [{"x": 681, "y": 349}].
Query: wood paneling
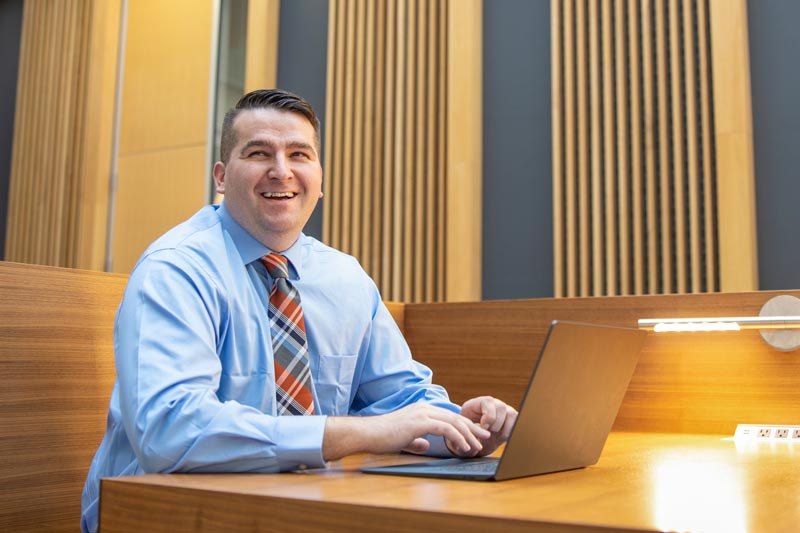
[
  {"x": 652, "y": 143},
  {"x": 58, "y": 194},
  {"x": 156, "y": 190},
  {"x": 733, "y": 133},
  {"x": 57, "y": 356},
  {"x": 403, "y": 144},
  {"x": 163, "y": 152},
  {"x": 692, "y": 383},
  {"x": 261, "y": 56}
]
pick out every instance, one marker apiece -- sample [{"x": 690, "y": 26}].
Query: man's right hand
[{"x": 401, "y": 430}]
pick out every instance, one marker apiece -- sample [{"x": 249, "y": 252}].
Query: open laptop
[{"x": 573, "y": 396}]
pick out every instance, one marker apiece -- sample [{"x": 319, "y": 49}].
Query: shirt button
[{"x": 302, "y": 467}]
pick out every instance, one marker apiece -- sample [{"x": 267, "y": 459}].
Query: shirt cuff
[{"x": 299, "y": 442}]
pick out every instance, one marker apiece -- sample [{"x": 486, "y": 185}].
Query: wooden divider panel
[
  {"x": 692, "y": 382},
  {"x": 57, "y": 356}
]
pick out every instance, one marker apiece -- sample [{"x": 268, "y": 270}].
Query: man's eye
[{"x": 300, "y": 154}]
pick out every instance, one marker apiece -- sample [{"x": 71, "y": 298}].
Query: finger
[
  {"x": 418, "y": 445},
  {"x": 501, "y": 412},
  {"x": 488, "y": 412},
  {"x": 508, "y": 425}
]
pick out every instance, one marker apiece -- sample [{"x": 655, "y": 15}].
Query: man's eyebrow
[{"x": 255, "y": 142}]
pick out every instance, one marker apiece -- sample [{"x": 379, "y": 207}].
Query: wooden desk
[{"x": 643, "y": 482}]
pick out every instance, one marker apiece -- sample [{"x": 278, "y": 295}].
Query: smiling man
[{"x": 234, "y": 321}]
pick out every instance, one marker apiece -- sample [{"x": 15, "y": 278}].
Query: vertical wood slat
[
  {"x": 665, "y": 234},
  {"x": 692, "y": 146},
  {"x": 388, "y": 155},
  {"x": 595, "y": 90},
  {"x": 582, "y": 152},
  {"x": 366, "y": 154},
  {"x": 441, "y": 173},
  {"x": 648, "y": 89},
  {"x": 638, "y": 220},
  {"x": 569, "y": 150},
  {"x": 633, "y": 157},
  {"x": 399, "y": 151},
  {"x": 609, "y": 153},
  {"x": 357, "y": 181},
  {"x": 678, "y": 133},
  {"x": 557, "y": 104},
  {"x": 709, "y": 206},
  {"x": 386, "y": 140},
  {"x": 409, "y": 176}
]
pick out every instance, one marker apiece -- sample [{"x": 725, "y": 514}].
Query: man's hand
[
  {"x": 491, "y": 414},
  {"x": 402, "y": 430}
]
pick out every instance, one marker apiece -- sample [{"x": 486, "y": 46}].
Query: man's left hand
[{"x": 493, "y": 415}]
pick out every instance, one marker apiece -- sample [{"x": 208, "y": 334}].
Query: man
[{"x": 200, "y": 384}]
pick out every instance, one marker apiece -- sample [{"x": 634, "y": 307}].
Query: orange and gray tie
[{"x": 289, "y": 344}]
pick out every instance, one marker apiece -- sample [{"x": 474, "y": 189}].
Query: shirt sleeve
[
  {"x": 168, "y": 326},
  {"x": 391, "y": 379}
]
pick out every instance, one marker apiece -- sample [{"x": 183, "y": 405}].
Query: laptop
[{"x": 566, "y": 414}]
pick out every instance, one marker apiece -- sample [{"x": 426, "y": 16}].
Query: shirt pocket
[{"x": 334, "y": 383}]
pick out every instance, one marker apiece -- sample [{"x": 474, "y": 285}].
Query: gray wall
[
  {"x": 517, "y": 159},
  {"x": 302, "y": 66},
  {"x": 10, "y": 30},
  {"x": 775, "y": 82}
]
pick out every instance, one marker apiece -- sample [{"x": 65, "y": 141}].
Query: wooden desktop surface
[{"x": 643, "y": 482}]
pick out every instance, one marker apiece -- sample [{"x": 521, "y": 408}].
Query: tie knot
[{"x": 277, "y": 265}]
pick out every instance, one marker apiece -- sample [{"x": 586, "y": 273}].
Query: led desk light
[{"x": 778, "y": 321}]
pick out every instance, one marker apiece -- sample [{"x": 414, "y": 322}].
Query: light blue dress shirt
[{"x": 196, "y": 388}]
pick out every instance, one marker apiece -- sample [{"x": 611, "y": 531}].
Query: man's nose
[{"x": 279, "y": 169}]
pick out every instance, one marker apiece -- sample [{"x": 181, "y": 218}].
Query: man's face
[{"x": 273, "y": 178}]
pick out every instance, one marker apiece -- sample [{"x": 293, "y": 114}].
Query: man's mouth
[{"x": 279, "y": 195}]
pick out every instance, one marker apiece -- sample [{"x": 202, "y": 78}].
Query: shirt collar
[{"x": 250, "y": 249}]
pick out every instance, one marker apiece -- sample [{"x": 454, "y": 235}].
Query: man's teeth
[{"x": 278, "y": 195}]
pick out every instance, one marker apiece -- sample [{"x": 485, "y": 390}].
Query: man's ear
[{"x": 219, "y": 176}]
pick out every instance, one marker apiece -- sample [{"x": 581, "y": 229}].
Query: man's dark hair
[{"x": 265, "y": 99}]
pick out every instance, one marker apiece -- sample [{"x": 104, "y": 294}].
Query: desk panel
[{"x": 643, "y": 482}]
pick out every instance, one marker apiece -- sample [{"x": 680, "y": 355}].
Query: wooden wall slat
[
  {"x": 409, "y": 174},
  {"x": 638, "y": 220},
  {"x": 595, "y": 92},
  {"x": 678, "y": 156},
  {"x": 385, "y": 282},
  {"x": 665, "y": 234},
  {"x": 357, "y": 140},
  {"x": 692, "y": 156},
  {"x": 623, "y": 209},
  {"x": 366, "y": 153},
  {"x": 610, "y": 169},
  {"x": 557, "y": 103},
  {"x": 709, "y": 206},
  {"x": 442, "y": 170},
  {"x": 570, "y": 163},
  {"x": 584, "y": 270},
  {"x": 649, "y": 88}
]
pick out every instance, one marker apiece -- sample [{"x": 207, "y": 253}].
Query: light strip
[{"x": 719, "y": 323}]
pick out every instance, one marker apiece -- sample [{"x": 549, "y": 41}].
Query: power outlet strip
[{"x": 767, "y": 432}]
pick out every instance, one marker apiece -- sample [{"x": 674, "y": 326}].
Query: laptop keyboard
[{"x": 478, "y": 467}]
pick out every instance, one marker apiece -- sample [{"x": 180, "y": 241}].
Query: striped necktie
[{"x": 289, "y": 345}]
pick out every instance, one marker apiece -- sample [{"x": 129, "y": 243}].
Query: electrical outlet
[{"x": 767, "y": 432}]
